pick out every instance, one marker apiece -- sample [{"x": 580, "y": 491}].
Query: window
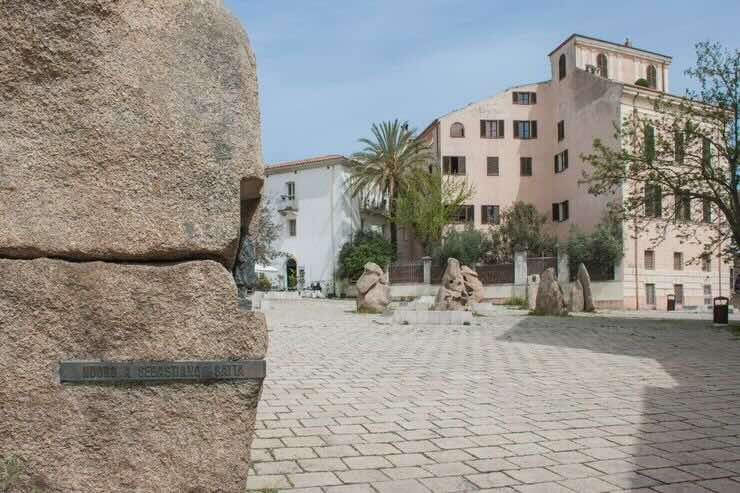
[
  {"x": 453, "y": 165},
  {"x": 677, "y": 261},
  {"x": 649, "y": 260},
  {"x": 649, "y": 148},
  {"x": 291, "y": 190},
  {"x": 457, "y": 130},
  {"x": 492, "y": 129},
  {"x": 707, "y": 294},
  {"x": 601, "y": 64},
  {"x": 490, "y": 214},
  {"x": 706, "y": 263},
  {"x": 561, "y": 130},
  {"x": 560, "y": 211},
  {"x": 524, "y": 97},
  {"x": 678, "y": 292},
  {"x": 492, "y": 166},
  {"x": 649, "y": 294},
  {"x": 525, "y": 129},
  {"x": 561, "y": 66},
  {"x": 561, "y": 161},
  {"x": 706, "y": 152},
  {"x": 525, "y": 166},
  {"x": 706, "y": 211},
  {"x": 683, "y": 206},
  {"x": 653, "y": 201},
  {"x": 652, "y": 77},
  {"x": 292, "y": 227},
  {"x": 465, "y": 214},
  {"x": 679, "y": 150}
]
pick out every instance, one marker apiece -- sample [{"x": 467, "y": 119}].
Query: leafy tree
[
  {"x": 387, "y": 164},
  {"x": 470, "y": 246},
  {"x": 685, "y": 154},
  {"x": 430, "y": 203},
  {"x": 602, "y": 249},
  {"x": 365, "y": 246},
  {"x": 522, "y": 228},
  {"x": 264, "y": 231}
]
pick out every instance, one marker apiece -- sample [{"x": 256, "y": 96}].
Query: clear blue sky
[{"x": 329, "y": 68}]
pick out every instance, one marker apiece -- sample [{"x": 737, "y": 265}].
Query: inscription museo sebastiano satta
[{"x": 162, "y": 371}]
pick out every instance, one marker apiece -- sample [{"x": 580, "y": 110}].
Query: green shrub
[
  {"x": 365, "y": 246},
  {"x": 470, "y": 246},
  {"x": 517, "y": 301},
  {"x": 642, "y": 83},
  {"x": 263, "y": 282},
  {"x": 602, "y": 249}
]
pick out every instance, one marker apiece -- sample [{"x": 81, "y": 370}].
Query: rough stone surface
[
  {"x": 585, "y": 279},
  {"x": 550, "y": 299},
  {"x": 575, "y": 297},
  {"x": 95, "y": 438},
  {"x": 126, "y": 128},
  {"x": 373, "y": 292},
  {"x": 452, "y": 294},
  {"x": 473, "y": 286}
]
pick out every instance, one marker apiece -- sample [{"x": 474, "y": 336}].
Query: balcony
[
  {"x": 288, "y": 206},
  {"x": 374, "y": 208}
]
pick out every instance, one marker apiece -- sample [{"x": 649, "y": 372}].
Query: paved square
[{"x": 510, "y": 403}]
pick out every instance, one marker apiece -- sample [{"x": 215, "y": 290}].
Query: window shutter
[
  {"x": 534, "y": 129},
  {"x": 515, "y": 97},
  {"x": 516, "y": 129},
  {"x": 566, "y": 212},
  {"x": 483, "y": 214},
  {"x": 500, "y": 128},
  {"x": 495, "y": 211},
  {"x": 533, "y": 97},
  {"x": 471, "y": 213},
  {"x": 482, "y": 128},
  {"x": 555, "y": 212},
  {"x": 555, "y": 167},
  {"x": 565, "y": 159},
  {"x": 446, "y": 165},
  {"x": 461, "y": 165}
]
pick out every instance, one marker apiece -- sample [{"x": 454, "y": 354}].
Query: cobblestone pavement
[{"x": 511, "y": 403}]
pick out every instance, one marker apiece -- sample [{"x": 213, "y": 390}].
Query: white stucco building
[{"x": 317, "y": 216}]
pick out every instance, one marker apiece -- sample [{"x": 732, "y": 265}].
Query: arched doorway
[{"x": 291, "y": 273}]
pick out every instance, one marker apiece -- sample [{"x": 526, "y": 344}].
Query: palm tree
[{"x": 387, "y": 164}]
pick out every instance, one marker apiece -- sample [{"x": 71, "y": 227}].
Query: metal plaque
[{"x": 159, "y": 371}]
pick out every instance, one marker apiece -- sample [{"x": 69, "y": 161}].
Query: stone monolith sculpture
[
  {"x": 373, "y": 292},
  {"x": 575, "y": 297},
  {"x": 473, "y": 285},
  {"x": 452, "y": 294},
  {"x": 125, "y": 131},
  {"x": 550, "y": 299},
  {"x": 585, "y": 279}
]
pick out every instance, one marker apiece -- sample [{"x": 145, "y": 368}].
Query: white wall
[{"x": 325, "y": 220}]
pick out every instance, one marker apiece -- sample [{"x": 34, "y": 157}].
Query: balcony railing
[{"x": 288, "y": 205}]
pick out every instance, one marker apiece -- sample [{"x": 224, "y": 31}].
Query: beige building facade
[{"x": 525, "y": 144}]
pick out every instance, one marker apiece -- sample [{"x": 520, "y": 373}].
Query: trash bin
[
  {"x": 671, "y": 302},
  {"x": 721, "y": 309}
]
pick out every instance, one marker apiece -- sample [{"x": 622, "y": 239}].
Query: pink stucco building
[{"x": 525, "y": 144}]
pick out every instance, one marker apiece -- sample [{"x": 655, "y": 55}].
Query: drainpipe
[
  {"x": 637, "y": 280},
  {"x": 333, "y": 242}
]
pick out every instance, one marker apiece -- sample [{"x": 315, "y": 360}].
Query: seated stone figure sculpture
[
  {"x": 373, "y": 292},
  {"x": 452, "y": 295},
  {"x": 473, "y": 286}
]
